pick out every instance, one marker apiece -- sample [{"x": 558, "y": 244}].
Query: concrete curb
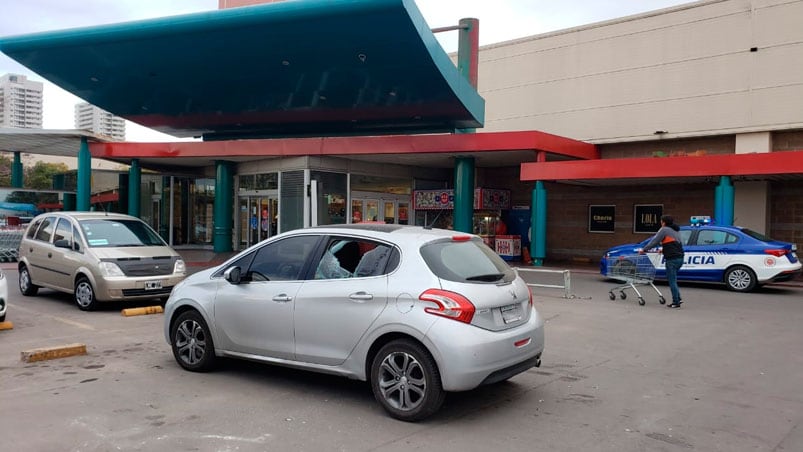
[
  {"x": 142, "y": 311},
  {"x": 61, "y": 351}
]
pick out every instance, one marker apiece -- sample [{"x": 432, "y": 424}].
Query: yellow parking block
[
  {"x": 6, "y": 326},
  {"x": 62, "y": 351},
  {"x": 142, "y": 311}
]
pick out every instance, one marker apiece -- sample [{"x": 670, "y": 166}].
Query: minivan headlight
[
  {"x": 110, "y": 269},
  {"x": 180, "y": 266}
]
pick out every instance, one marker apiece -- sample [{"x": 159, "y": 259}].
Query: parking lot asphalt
[{"x": 721, "y": 374}]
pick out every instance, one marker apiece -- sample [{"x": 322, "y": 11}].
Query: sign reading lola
[{"x": 647, "y": 218}]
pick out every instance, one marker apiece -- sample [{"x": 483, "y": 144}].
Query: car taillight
[
  {"x": 531, "y": 296},
  {"x": 450, "y": 305},
  {"x": 776, "y": 253}
]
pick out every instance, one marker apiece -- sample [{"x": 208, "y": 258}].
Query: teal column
[
  {"x": 17, "y": 171},
  {"x": 538, "y": 222},
  {"x": 224, "y": 194},
  {"x": 68, "y": 202},
  {"x": 724, "y": 200},
  {"x": 134, "y": 187},
  {"x": 468, "y": 45},
  {"x": 83, "y": 190},
  {"x": 464, "y": 194}
]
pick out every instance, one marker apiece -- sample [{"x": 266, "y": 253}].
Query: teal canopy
[{"x": 294, "y": 68}]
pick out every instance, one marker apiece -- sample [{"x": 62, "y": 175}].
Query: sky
[{"x": 500, "y": 20}]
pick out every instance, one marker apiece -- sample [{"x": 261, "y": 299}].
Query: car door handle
[
  {"x": 361, "y": 296},
  {"x": 49, "y": 254},
  {"x": 282, "y": 298}
]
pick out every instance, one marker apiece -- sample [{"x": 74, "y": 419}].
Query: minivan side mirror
[
  {"x": 233, "y": 275},
  {"x": 63, "y": 244}
]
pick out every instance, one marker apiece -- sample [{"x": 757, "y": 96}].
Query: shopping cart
[
  {"x": 10, "y": 240},
  {"x": 632, "y": 270}
]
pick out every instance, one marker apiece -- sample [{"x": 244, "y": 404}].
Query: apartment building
[
  {"x": 101, "y": 122},
  {"x": 20, "y": 102}
]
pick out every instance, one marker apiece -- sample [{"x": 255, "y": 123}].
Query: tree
[
  {"x": 40, "y": 176},
  {"x": 5, "y": 171}
]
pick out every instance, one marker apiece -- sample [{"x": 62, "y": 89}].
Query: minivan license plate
[
  {"x": 511, "y": 313},
  {"x": 152, "y": 285}
]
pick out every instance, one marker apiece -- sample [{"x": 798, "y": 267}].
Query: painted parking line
[{"x": 66, "y": 321}]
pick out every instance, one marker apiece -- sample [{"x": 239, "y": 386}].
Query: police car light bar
[{"x": 700, "y": 220}]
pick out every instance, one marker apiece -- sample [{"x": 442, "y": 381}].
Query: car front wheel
[
  {"x": 740, "y": 279},
  {"x": 405, "y": 380},
  {"x": 27, "y": 287},
  {"x": 85, "y": 295},
  {"x": 192, "y": 343}
]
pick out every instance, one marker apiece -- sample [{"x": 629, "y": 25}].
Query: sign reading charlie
[{"x": 601, "y": 218}]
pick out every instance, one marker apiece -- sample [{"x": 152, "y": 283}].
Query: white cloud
[{"x": 500, "y": 20}]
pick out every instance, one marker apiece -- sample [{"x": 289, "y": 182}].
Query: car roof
[
  {"x": 89, "y": 215},
  {"x": 392, "y": 232}
]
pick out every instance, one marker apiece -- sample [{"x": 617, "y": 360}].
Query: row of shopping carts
[
  {"x": 632, "y": 270},
  {"x": 10, "y": 239}
]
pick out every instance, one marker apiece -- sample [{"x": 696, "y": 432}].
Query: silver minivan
[{"x": 97, "y": 257}]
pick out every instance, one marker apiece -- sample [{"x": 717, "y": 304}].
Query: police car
[{"x": 738, "y": 257}]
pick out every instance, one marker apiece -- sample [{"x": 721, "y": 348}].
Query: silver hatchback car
[{"x": 414, "y": 311}]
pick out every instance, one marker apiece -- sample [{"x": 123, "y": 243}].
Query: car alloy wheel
[
  {"x": 85, "y": 295},
  {"x": 740, "y": 279},
  {"x": 192, "y": 344},
  {"x": 405, "y": 380}
]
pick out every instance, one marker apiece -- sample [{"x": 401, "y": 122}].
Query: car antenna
[{"x": 429, "y": 226}]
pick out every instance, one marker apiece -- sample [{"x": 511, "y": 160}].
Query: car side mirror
[
  {"x": 63, "y": 244},
  {"x": 233, "y": 275}
]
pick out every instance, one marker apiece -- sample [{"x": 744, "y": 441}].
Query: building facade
[
  {"x": 20, "y": 102},
  {"x": 706, "y": 78},
  {"x": 99, "y": 121}
]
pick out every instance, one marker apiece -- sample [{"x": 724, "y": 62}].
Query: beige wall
[{"x": 686, "y": 70}]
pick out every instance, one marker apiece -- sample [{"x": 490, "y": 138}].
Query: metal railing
[{"x": 567, "y": 280}]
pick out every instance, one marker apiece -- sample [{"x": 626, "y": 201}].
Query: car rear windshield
[
  {"x": 119, "y": 233},
  {"x": 466, "y": 261}
]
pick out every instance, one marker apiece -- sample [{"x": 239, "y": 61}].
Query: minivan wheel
[
  {"x": 85, "y": 295},
  {"x": 740, "y": 279},
  {"x": 191, "y": 342},
  {"x": 27, "y": 287},
  {"x": 406, "y": 381}
]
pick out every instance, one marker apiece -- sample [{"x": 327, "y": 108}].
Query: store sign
[
  {"x": 433, "y": 199},
  {"x": 647, "y": 218},
  {"x": 602, "y": 218}
]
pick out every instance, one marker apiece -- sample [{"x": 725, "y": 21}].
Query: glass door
[{"x": 257, "y": 219}]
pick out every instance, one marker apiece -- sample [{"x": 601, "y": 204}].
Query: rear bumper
[{"x": 482, "y": 356}]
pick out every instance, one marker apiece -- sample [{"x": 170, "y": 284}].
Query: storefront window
[
  {"x": 203, "y": 201},
  {"x": 331, "y": 201},
  {"x": 252, "y": 182}
]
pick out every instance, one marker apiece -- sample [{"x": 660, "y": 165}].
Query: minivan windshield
[
  {"x": 115, "y": 232},
  {"x": 466, "y": 261}
]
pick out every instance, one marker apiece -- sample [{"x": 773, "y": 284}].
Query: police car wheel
[{"x": 740, "y": 279}]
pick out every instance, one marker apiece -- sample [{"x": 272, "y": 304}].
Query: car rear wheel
[
  {"x": 191, "y": 342},
  {"x": 27, "y": 287},
  {"x": 740, "y": 279},
  {"x": 406, "y": 381},
  {"x": 85, "y": 295}
]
